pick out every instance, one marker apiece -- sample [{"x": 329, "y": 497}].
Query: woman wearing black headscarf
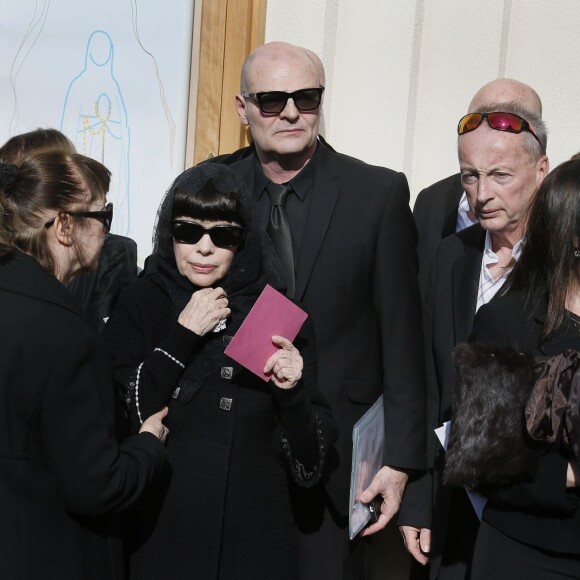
[{"x": 223, "y": 509}]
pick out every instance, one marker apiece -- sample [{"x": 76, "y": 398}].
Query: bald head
[
  {"x": 285, "y": 139},
  {"x": 319, "y": 66},
  {"x": 506, "y": 91},
  {"x": 280, "y": 56}
]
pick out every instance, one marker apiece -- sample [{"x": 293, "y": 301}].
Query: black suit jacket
[
  {"x": 356, "y": 277},
  {"x": 97, "y": 292},
  {"x": 450, "y": 304},
  {"x": 449, "y": 312},
  {"x": 435, "y": 213},
  {"x": 60, "y": 465}
]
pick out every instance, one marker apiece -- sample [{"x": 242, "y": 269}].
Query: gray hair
[{"x": 535, "y": 149}]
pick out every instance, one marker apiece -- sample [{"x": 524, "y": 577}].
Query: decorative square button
[{"x": 225, "y": 403}]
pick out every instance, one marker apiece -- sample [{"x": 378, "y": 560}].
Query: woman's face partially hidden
[
  {"x": 203, "y": 264},
  {"x": 90, "y": 236}
]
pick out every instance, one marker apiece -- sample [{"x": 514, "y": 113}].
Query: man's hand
[
  {"x": 417, "y": 542},
  {"x": 389, "y": 483},
  {"x": 573, "y": 475}
]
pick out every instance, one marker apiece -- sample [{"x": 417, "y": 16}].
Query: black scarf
[{"x": 254, "y": 265}]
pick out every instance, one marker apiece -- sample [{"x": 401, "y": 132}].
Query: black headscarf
[{"x": 253, "y": 266}]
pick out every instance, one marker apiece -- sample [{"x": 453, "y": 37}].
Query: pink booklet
[{"x": 272, "y": 315}]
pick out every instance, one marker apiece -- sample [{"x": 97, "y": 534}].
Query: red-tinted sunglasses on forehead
[{"x": 498, "y": 120}]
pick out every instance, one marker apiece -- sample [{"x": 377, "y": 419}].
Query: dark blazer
[
  {"x": 449, "y": 311},
  {"x": 541, "y": 513},
  {"x": 356, "y": 276},
  {"x": 435, "y": 213},
  {"x": 60, "y": 464},
  {"x": 450, "y": 304},
  {"x": 97, "y": 292}
]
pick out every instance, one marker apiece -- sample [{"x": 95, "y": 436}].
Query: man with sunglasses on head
[
  {"x": 502, "y": 159},
  {"x": 346, "y": 240},
  {"x": 442, "y": 209}
]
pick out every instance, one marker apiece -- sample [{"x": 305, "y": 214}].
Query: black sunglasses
[
  {"x": 105, "y": 216},
  {"x": 498, "y": 120},
  {"x": 186, "y": 232},
  {"x": 274, "y": 102}
]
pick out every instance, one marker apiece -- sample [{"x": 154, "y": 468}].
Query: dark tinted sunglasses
[
  {"x": 221, "y": 236},
  {"x": 497, "y": 120},
  {"x": 275, "y": 101},
  {"x": 105, "y": 216}
]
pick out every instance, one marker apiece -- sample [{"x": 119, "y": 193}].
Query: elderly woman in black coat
[
  {"x": 62, "y": 472},
  {"x": 237, "y": 443}
]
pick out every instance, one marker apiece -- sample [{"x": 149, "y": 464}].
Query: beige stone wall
[{"x": 400, "y": 73}]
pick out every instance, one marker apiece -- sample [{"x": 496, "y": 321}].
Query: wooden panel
[
  {"x": 238, "y": 36},
  {"x": 230, "y": 30},
  {"x": 258, "y": 23},
  {"x": 193, "y": 84},
  {"x": 209, "y": 94}
]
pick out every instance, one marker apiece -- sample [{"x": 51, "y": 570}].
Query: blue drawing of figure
[{"x": 95, "y": 119}]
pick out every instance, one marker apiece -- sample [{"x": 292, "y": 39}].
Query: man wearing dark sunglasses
[
  {"x": 350, "y": 260},
  {"x": 501, "y": 148}
]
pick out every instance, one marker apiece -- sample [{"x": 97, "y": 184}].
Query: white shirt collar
[
  {"x": 463, "y": 219},
  {"x": 488, "y": 287}
]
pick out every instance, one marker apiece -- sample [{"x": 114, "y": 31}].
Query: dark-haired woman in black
[
  {"x": 237, "y": 443},
  {"x": 531, "y": 530}
]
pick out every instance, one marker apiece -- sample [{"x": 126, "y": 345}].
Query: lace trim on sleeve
[
  {"x": 177, "y": 362},
  {"x": 298, "y": 471},
  {"x": 132, "y": 392}
]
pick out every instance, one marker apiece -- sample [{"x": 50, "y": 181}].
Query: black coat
[
  {"x": 357, "y": 277},
  {"x": 435, "y": 213},
  {"x": 222, "y": 509},
  {"x": 97, "y": 292},
  {"x": 449, "y": 310},
  {"x": 541, "y": 513},
  {"x": 60, "y": 464}
]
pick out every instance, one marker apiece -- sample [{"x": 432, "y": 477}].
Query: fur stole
[{"x": 488, "y": 442}]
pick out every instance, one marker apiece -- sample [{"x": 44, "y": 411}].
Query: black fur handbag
[{"x": 488, "y": 443}]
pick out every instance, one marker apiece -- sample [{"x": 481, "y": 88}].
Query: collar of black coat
[
  {"x": 568, "y": 337},
  {"x": 22, "y": 274}
]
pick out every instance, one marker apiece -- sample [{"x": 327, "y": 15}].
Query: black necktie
[{"x": 279, "y": 232}]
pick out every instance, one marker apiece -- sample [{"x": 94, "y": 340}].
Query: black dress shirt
[{"x": 297, "y": 204}]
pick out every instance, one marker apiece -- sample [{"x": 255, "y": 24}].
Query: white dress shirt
[
  {"x": 463, "y": 219},
  {"x": 488, "y": 287}
]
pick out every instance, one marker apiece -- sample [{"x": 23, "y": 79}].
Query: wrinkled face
[
  {"x": 499, "y": 178},
  {"x": 289, "y": 133},
  {"x": 204, "y": 264},
  {"x": 90, "y": 236}
]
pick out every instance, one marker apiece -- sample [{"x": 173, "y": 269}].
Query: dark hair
[
  {"x": 208, "y": 203},
  {"x": 43, "y": 184},
  {"x": 547, "y": 264},
  {"x": 39, "y": 140}
]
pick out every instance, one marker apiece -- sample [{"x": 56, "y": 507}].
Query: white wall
[{"x": 400, "y": 73}]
